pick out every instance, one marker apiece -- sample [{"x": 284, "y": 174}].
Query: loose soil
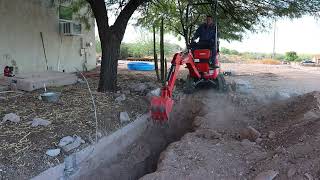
[{"x": 215, "y": 151}]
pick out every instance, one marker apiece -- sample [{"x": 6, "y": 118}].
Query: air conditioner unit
[{"x": 70, "y": 28}]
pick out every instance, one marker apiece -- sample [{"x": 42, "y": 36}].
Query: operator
[{"x": 206, "y": 33}]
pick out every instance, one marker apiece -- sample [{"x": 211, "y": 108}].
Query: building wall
[
  {"x": 316, "y": 59},
  {"x": 21, "y": 22}
]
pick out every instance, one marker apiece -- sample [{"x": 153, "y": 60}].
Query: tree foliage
[
  {"x": 291, "y": 56},
  {"x": 111, "y": 35},
  {"x": 142, "y": 49},
  {"x": 235, "y": 17},
  {"x": 288, "y": 56}
]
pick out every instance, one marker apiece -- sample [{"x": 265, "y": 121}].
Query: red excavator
[{"x": 197, "y": 61}]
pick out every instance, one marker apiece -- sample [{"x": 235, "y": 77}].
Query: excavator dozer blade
[{"x": 161, "y": 108}]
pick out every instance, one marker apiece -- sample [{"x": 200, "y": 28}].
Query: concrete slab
[{"x": 34, "y": 81}]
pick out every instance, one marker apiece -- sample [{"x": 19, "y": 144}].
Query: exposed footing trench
[
  {"x": 141, "y": 157},
  {"x": 228, "y": 140}
]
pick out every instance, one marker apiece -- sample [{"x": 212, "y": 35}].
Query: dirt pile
[
  {"x": 291, "y": 133},
  {"x": 290, "y": 118},
  {"x": 288, "y": 148}
]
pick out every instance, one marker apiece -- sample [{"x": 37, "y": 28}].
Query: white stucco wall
[{"x": 21, "y": 22}]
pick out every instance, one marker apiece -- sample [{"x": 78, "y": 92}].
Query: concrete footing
[
  {"x": 93, "y": 156},
  {"x": 34, "y": 81}
]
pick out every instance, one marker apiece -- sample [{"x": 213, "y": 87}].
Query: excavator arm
[{"x": 162, "y": 106}]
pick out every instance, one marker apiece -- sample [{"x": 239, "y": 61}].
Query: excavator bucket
[{"x": 161, "y": 108}]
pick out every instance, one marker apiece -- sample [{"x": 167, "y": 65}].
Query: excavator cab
[{"x": 202, "y": 54}]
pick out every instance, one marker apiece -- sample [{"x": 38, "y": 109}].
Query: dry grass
[
  {"x": 241, "y": 59},
  {"x": 23, "y": 148},
  {"x": 265, "y": 61}
]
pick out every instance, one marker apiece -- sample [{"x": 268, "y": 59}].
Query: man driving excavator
[{"x": 206, "y": 33}]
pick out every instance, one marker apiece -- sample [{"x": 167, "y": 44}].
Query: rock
[
  {"x": 247, "y": 142},
  {"x": 198, "y": 121},
  {"x": 124, "y": 117},
  {"x": 99, "y": 134},
  {"x": 53, "y": 152},
  {"x": 151, "y": 85},
  {"x": 280, "y": 150},
  {"x": 249, "y": 133},
  {"x": 126, "y": 92},
  {"x": 208, "y": 134},
  {"x": 312, "y": 115},
  {"x": 81, "y": 81},
  {"x": 121, "y": 98},
  {"x": 271, "y": 135},
  {"x": 276, "y": 156},
  {"x": 308, "y": 176},
  {"x": 39, "y": 122},
  {"x": 242, "y": 86},
  {"x": 140, "y": 87},
  {"x": 291, "y": 172},
  {"x": 11, "y": 117},
  {"x": 256, "y": 134},
  {"x": 259, "y": 140},
  {"x": 76, "y": 143},
  {"x": 267, "y": 175},
  {"x": 155, "y": 92},
  {"x": 65, "y": 141}
]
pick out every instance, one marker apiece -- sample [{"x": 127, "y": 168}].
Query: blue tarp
[{"x": 140, "y": 66}]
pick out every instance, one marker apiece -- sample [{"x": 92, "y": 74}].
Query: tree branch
[
  {"x": 100, "y": 13},
  {"x": 122, "y": 20}
]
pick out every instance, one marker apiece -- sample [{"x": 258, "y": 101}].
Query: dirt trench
[
  {"x": 142, "y": 156},
  {"x": 201, "y": 141}
]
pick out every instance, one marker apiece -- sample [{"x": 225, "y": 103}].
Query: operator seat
[{"x": 202, "y": 51}]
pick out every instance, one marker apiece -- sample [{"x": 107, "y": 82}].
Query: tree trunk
[
  {"x": 165, "y": 69},
  {"x": 109, "y": 64},
  {"x": 111, "y": 37},
  {"x": 186, "y": 41},
  {"x": 162, "y": 51},
  {"x": 155, "y": 53}
]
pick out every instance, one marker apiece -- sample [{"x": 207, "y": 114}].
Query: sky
[{"x": 300, "y": 35}]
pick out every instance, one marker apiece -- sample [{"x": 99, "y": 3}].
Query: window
[{"x": 65, "y": 13}]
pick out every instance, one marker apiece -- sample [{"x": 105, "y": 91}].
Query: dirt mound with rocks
[
  {"x": 287, "y": 143},
  {"x": 291, "y": 132},
  {"x": 289, "y": 119}
]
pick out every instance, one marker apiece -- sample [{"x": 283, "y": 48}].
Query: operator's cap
[{"x": 209, "y": 16}]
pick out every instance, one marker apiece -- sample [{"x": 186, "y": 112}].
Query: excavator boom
[{"x": 162, "y": 106}]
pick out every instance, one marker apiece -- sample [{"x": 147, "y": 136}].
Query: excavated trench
[{"x": 141, "y": 157}]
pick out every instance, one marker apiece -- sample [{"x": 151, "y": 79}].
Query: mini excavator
[{"x": 197, "y": 61}]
